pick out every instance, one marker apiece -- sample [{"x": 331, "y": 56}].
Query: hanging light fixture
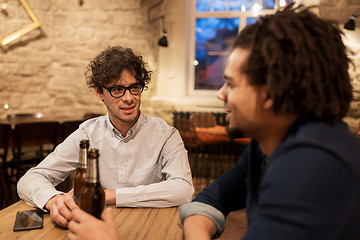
[
  {"x": 4, "y": 9},
  {"x": 163, "y": 41},
  {"x": 350, "y": 25}
]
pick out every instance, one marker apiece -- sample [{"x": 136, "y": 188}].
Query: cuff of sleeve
[
  {"x": 198, "y": 208},
  {"x": 42, "y": 202}
]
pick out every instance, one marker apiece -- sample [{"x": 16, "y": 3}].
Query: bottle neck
[
  {"x": 92, "y": 173},
  {"x": 83, "y": 158}
]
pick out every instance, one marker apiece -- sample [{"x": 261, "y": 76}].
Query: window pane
[
  {"x": 249, "y": 4},
  {"x": 203, "y": 5},
  {"x": 268, "y": 4},
  {"x": 250, "y": 21},
  {"x": 219, "y": 5},
  {"x": 235, "y": 5},
  {"x": 288, "y": 2},
  {"x": 214, "y": 39}
]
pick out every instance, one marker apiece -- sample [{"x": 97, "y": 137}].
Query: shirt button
[{"x": 121, "y": 167}]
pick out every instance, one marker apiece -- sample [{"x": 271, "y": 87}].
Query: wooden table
[{"x": 133, "y": 223}]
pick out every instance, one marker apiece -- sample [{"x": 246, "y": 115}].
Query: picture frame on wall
[{"x": 18, "y": 33}]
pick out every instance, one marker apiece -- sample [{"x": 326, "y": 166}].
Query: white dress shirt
[{"x": 148, "y": 168}]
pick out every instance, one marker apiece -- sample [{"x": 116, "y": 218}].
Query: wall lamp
[
  {"x": 350, "y": 25},
  {"x": 163, "y": 41},
  {"x": 4, "y": 9}
]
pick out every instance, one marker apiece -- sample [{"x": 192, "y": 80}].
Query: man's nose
[
  {"x": 127, "y": 95},
  {"x": 221, "y": 94}
]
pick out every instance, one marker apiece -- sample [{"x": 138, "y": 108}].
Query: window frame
[{"x": 191, "y": 91}]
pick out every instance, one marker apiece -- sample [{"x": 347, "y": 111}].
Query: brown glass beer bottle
[
  {"x": 80, "y": 177},
  {"x": 92, "y": 197}
]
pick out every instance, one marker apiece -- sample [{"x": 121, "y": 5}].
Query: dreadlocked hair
[{"x": 303, "y": 61}]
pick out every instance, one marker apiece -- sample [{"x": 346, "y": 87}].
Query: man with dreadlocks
[{"x": 287, "y": 87}]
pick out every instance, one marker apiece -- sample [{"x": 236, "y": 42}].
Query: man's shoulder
[
  {"x": 93, "y": 124},
  {"x": 320, "y": 144},
  {"x": 156, "y": 123},
  {"x": 95, "y": 120},
  {"x": 333, "y": 138}
]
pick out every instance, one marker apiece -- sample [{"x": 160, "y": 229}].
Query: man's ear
[
  {"x": 267, "y": 99},
  {"x": 99, "y": 94}
]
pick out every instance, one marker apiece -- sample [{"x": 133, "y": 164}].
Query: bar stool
[
  {"x": 203, "y": 120},
  {"x": 31, "y": 142},
  {"x": 201, "y": 146}
]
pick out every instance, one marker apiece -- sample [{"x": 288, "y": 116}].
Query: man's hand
[
  {"x": 59, "y": 207},
  {"x": 84, "y": 226},
  {"x": 198, "y": 227}
]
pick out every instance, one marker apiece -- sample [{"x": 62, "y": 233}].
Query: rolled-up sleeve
[{"x": 198, "y": 208}]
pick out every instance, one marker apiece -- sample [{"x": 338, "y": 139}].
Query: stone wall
[
  {"x": 43, "y": 70},
  {"x": 340, "y": 11}
]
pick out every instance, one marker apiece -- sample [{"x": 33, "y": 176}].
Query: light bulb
[
  {"x": 243, "y": 8},
  {"x": 282, "y": 3},
  {"x": 256, "y": 9}
]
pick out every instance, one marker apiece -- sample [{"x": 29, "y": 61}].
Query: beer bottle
[
  {"x": 80, "y": 177},
  {"x": 92, "y": 197}
]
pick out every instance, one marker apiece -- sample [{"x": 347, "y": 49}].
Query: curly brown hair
[
  {"x": 109, "y": 65},
  {"x": 303, "y": 60}
]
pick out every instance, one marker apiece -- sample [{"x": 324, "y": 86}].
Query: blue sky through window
[
  {"x": 214, "y": 37},
  {"x": 234, "y": 5}
]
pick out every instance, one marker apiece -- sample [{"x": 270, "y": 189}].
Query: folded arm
[{"x": 176, "y": 187}]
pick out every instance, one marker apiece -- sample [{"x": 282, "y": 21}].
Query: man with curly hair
[{"x": 143, "y": 161}]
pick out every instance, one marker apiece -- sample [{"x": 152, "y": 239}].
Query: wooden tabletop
[{"x": 133, "y": 223}]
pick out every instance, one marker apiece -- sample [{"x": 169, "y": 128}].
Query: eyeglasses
[{"x": 119, "y": 91}]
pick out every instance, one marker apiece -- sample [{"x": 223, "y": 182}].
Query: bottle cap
[
  {"x": 94, "y": 153},
  {"x": 84, "y": 143}
]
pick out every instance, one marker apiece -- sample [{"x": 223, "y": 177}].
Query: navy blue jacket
[{"x": 310, "y": 189}]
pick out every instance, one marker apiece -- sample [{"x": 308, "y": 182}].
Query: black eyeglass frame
[{"x": 142, "y": 88}]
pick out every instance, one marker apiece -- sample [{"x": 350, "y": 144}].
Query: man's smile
[{"x": 128, "y": 109}]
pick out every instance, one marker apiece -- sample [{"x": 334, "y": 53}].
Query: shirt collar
[{"x": 132, "y": 131}]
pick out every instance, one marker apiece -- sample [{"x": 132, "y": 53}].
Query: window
[{"x": 215, "y": 25}]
